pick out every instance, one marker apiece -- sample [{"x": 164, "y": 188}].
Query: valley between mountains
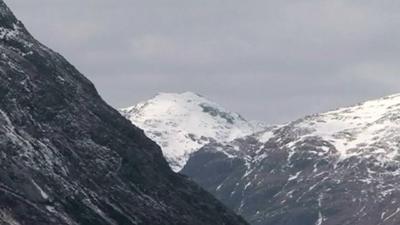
[
  {"x": 333, "y": 168},
  {"x": 68, "y": 158}
]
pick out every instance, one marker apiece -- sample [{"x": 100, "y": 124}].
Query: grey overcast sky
[{"x": 270, "y": 60}]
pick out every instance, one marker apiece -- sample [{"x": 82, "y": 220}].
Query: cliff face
[{"x": 66, "y": 157}]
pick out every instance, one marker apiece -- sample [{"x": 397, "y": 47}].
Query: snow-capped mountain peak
[{"x": 183, "y": 123}]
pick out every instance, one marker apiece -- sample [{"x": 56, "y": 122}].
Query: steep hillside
[{"x": 67, "y": 158}]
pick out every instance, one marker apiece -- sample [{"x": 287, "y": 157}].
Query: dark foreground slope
[{"x": 66, "y": 157}]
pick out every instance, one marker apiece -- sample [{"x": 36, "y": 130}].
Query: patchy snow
[
  {"x": 6, "y": 33},
  {"x": 294, "y": 177},
  {"x": 183, "y": 123},
  {"x": 264, "y": 137},
  {"x": 372, "y": 127},
  {"x": 392, "y": 215},
  {"x": 43, "y": 194},
  {"x": 7, "y": 217}
]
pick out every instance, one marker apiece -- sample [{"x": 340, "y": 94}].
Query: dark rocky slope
[{"x": 66, "y": 157}]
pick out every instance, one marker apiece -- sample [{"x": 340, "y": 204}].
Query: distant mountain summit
[
  {"x": 183, "y": 123},
  {"x": 338, "y": 167}
]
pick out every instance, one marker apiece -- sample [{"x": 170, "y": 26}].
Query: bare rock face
[
  {"x": 66, "y": 157},
  {"x": 334, "y": 168}
]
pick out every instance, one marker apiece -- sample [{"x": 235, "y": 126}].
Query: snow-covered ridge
[
  {"x": 368, "y": 129},
  {"x": 183, "y": 123},
  {"x": 372, "y": 127}
]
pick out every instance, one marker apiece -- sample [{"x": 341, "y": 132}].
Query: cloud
[{"x": 267, "y": 59}]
